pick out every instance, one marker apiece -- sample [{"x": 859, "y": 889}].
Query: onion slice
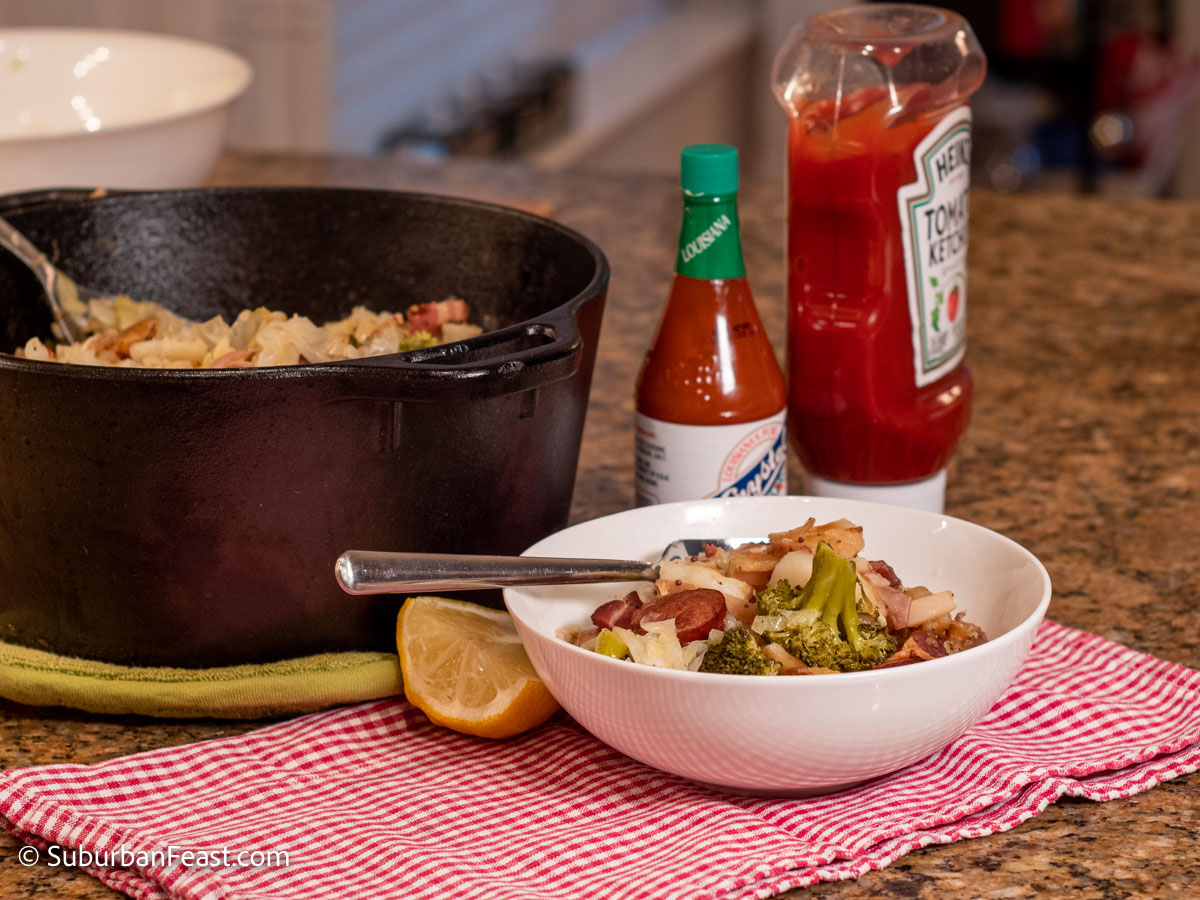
[{"x": 926, "y": 609}]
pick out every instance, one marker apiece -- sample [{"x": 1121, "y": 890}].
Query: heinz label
[
  {"x": 687, "y": 462},
  {"x": 933, "y": 223}
]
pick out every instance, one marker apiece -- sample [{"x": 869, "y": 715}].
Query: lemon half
[{"x": 465, "y": 668}]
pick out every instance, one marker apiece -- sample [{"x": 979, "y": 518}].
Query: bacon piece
[
  {"x": 887, "y": 572},
  {"x": 896, "y": 604},
  {"x": 432, "y": 316},
  {"x": 928, "y": 644},
  {"x": 423, "y": 317},
  {"x": 921, "y": 645},
  {"x": 617, "y": 613},
  {"x": 453, "y": 310},
  {"x": 586, "y": 635}
]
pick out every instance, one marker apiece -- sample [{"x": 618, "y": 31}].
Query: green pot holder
[{"x": 288, "y": 687}]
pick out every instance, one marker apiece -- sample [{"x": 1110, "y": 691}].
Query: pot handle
[{"x": 505, "y": 361}]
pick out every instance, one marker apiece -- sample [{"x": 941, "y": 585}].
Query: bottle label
[
  {"x": 710, "y": 245},
  {"x": 687, "y": 462},
  {"x": 933, "y": 224}
]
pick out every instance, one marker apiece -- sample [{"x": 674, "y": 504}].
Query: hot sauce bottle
[
  {"x": 879, "y": 152},
  {"x": 711, "y": 398}
]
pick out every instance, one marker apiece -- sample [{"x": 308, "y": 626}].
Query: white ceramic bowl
[
  {"x": 116, "y": 109},
  {"x": 788, "y": 735}
]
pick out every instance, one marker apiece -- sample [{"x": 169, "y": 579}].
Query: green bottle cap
[{"x": 709, "y": 169}]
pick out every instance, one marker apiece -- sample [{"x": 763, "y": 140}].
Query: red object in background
[
  {"x": 1021, "y": 32},
  {"x": 856, "y": 414},
  {"x": 1030, "y": 28},
  {"x": 1152, "y": 84}
]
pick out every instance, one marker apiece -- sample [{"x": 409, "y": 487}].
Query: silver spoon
[
  {"x": 377, "y": 572},
  {"x": 61, "y": 292}
]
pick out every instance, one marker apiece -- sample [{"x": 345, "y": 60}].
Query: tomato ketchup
[
  {"x": 879, "y": 150},
  {"x": 711, "y": 398}
]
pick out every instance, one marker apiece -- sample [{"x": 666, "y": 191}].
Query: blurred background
[{"x": 1082, "y": 95}]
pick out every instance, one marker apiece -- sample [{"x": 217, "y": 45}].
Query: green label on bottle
[{"x": 710, "y": 245}]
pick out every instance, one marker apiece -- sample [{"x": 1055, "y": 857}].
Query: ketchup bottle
[
  {"x": 711, "y": 398},
  {"x": 879, "y": 152}
]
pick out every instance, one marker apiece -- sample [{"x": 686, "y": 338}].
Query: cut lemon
[{"x": 465, "y": 668}]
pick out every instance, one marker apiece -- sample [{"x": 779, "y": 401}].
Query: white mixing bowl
[
  {"x": 791, "y": 735},
  {"x": 115, "y": 109}
]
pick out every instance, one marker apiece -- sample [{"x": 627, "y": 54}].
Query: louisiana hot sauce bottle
[
  {"x": 879, "y": 151},
  {"x": 711, "y": 398}
]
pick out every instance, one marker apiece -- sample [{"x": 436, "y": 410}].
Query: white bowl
[
  {"x": 116, "y": 109},
  {"x": 788, "y": 735}
]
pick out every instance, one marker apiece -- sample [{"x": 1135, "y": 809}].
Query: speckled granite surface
[{"x": 1085, "y": 447}]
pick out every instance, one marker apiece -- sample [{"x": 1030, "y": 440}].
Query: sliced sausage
[
  {"x": 617, "y": 613},
  {"x": 696, "y": 613}
]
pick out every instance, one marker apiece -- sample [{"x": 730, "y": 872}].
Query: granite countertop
[{"x": 1084, "y": 447}]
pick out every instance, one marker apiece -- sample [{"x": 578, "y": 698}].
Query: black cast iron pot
[{"x": 192, "y": 518}]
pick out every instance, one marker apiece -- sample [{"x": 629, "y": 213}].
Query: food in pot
[
  {"x": 805, "y": 602},
  {"x": 124, "y": 332}
]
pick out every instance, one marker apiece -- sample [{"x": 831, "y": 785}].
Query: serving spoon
[
  {"x": 381, "y": 572},
  {"x": 60, "y": 290}
]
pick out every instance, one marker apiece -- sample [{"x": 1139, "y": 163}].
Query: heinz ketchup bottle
[
  {"x": 711, "y": 398},
  {"x": 879, "y": 153}
]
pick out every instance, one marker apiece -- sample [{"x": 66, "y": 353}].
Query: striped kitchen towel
[{"x": 373, "y": 801}]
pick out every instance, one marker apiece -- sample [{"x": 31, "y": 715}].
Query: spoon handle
[
  {"x": 49, "y": 276},
  {"x": 24, "y": 249},
  {"x": 373, "y": 572}
]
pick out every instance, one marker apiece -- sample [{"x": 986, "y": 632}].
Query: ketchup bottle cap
[{"x": 708, "y": 169}]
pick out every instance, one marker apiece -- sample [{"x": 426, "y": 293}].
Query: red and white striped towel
[{"x": 373, "y": 801}]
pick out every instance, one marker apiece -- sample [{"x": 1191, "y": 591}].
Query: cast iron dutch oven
[{"x": 192, "y": 518}]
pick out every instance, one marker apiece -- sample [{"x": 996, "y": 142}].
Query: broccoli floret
[
  {"x": 827, "y": 631},
  {"x": 738, "y": 653},
  {"x": 777, "y": 598}
]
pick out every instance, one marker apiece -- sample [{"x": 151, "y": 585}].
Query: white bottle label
[
  {"x": 687, "y": 462},
  {"x": 933, "y": 224}
]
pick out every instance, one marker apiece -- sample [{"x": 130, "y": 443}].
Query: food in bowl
[
  {"x": 125, "y": 332},
  {"x": 787, "y": 736},
  {"x": 803, "y": 602}
]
